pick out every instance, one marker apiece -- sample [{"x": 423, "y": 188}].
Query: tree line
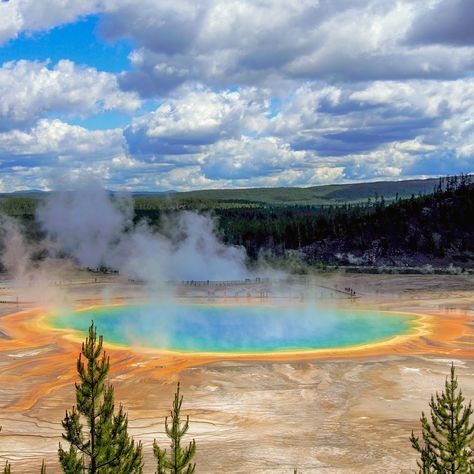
[{"x": 98, "y": 442}]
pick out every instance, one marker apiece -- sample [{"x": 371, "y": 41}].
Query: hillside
[
  {"x": 23, "y": 203},
  {"x": 436, "y": 230},
  {"x": 291, "y": 196}
]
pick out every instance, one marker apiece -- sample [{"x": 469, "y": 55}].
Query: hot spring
[{"x": 233, "y": 328}]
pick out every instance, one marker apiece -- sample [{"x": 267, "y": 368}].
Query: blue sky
[
  {"x": 79, "y": 41},
  {"x": 214, "y": 94}
]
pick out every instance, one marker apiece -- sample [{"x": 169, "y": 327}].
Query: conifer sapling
[
  {"x": 103, "y": 445},
  {"x": 447, "y": 444},
  {"x": 178, "y": 461}
]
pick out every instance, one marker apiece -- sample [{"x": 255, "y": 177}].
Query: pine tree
[
  {"x": 104, "y": 447},
  {"x": 179, "y": 459},
  {"x": 448, "y": 441},
  {"x": 43, "y": 468}
]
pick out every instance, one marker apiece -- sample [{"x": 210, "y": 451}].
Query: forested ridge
[{"x": 431, "y": 229}]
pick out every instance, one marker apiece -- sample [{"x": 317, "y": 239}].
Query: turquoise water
[{"x": 244, "y": 328}]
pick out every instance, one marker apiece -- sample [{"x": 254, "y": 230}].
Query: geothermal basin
[
  {"x": 279, "y": 376},
  {"x": 237, "y": 328}
]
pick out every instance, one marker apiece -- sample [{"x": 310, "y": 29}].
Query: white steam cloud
[
  {"x": 85, "y": 223},
  {"x": 97, "y": 230}
]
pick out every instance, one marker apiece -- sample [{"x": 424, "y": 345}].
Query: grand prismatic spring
[{"x": 232, "y": 328}]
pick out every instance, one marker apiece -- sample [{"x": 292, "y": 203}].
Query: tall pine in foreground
[
  {"x": 103, "y": 447},
  {"x": 178, "y": 461},
  {"x": 448, "y": 441}
]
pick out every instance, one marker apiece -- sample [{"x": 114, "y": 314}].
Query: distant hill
[
  {"x": 153, "y": 193},
  {"x": 293, "y": 196},
  {"x": 25, "y": 202},
  {"x": 31, "y": 193}
]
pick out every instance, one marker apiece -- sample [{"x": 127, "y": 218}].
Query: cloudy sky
[{"x": 189, "y": 94}]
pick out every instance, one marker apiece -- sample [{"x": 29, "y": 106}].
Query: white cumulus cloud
[
  {"x": 17, "y": 16},
  {"x": 30, "y": 89}
]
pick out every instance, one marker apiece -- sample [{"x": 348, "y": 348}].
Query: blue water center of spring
[{"x": 246, "y": 328}]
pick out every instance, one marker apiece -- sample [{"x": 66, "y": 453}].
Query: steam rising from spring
[{"x": 97, "y": 230}]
